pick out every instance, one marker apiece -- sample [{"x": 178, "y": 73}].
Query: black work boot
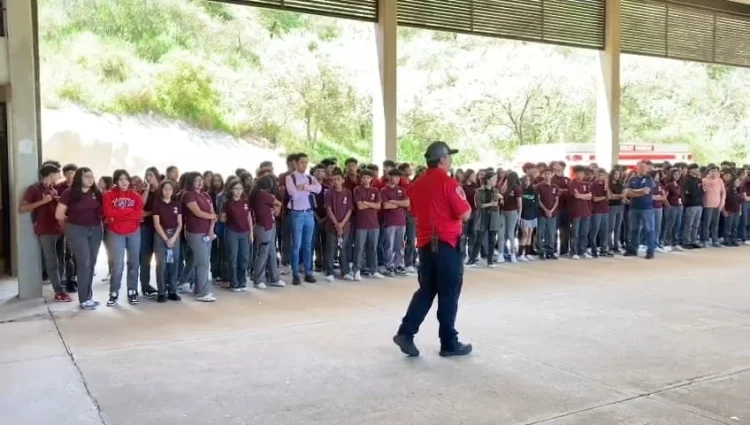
[
  {"x": 458, "y": 349},
  {"x": 406, "y": 344}
]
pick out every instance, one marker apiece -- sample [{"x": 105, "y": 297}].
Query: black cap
[{"x": 438, "y": 150}]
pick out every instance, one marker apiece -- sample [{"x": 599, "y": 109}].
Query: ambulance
[{"x": 585, "y": 153}]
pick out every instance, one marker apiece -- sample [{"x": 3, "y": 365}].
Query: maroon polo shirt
[
  {"x": 396, "y": 216},
  {"x": 340, "y": 203},
  {"x": 511, "y": 198},
  {"x": 84, "y": 211},
  {"x": 194, "y": 224},
  {"x": 262, "y": 206},
  {"x": 674, "y": 194},
  {"x": 44, "y": 216},
  {"x": 237, "y": 212},
  {"x": 548, "y": 193},
  {"x": 168, "y": 212},
  {"x": 598, "y": 189},
  {"x": 579, "y": 208},
  {"x": 367, "y": 218}
]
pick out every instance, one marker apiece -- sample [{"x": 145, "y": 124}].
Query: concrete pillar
[
  {"x": 23, "y": 142},
  {"x": 608, "y": 90},
  {"x": 384, "y": 105}
]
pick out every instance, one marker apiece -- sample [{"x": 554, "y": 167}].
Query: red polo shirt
[{"x": 437, "y": 203}]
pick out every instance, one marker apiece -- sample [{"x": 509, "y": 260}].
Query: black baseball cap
[{"x": 438, "y": 150}]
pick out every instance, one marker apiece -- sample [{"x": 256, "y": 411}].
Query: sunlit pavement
[{"x": 608, "y": 341}]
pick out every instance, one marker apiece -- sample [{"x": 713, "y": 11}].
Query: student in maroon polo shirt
[
  {"x": 40, "y": 200},
  {"x": 68, "y": 172},
  {"x": 580, "y": 213},
  {"x": 339, "y": 204},
  {"x": 673, "y": 211},
  {"x": 659, "y": 198},
  {"x": 395, "y": 204},
  {"x": 80, "y": 209},
  {"x": 563, "y": 217},
  {"x": 264, "y": 206},
  {"x": 167, "y": 218},
  {"x": 366, "y": 226},
  {"x": 732, "y": 207},
  {"x": 549, "y": 196},
  {"x": 599, "y": 235},
  {"x": 510, "y": 212},
  {"x": 320, "y": 174},
  {"x": 149, "y": 194},
  {"x": 238, "y": 221}
]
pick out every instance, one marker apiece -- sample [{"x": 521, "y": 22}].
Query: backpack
[{"x": 312, "y": 199}]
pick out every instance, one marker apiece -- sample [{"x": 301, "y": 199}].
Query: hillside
[{"x": 291, "y": 82}]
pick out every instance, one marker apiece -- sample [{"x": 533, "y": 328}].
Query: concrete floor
[{"x": 612, "y": 341}]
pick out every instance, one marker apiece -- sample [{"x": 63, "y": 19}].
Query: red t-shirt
[
  {"x": 437, "y": 203},
  {"x": 237, "y": 213},
  {"x": 262, "y": 206},
  {"x": 43, "y": 217},
  {"x": 167, "y": 213},
  {"x": 599, "y": 189},
  {"x": 396, "y": 216},
  {"x": 84, "y": 211},
  {"x": 194, "y": 224},
  {"x": 579, "y": 207},
  {"x": 340, "y": 203},
  {"x": 367, "y": 218}
]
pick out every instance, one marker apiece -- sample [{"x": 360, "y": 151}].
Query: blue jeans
[
  {"x": 441, "y": 275},
  {"x": 239, "y": 252},
  {"x": 745, "y": 222},
  {"x": 303, "y": 225},
  {"x": 672, "y": 233},
  {"x": 641, "y": 219}
]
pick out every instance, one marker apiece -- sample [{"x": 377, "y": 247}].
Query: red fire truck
[{"x": 585, "y": 153}]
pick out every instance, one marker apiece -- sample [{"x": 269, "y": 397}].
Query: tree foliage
[{"x": 305, "y": 82}]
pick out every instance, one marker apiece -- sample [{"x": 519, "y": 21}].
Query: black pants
[{"x": 441, "y": 275}]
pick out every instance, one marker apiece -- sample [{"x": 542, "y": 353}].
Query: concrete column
[
  {"x": 23, "y": 142},
  {"x": 608, "y": 90},
  {"x": 384, "y": 105}
]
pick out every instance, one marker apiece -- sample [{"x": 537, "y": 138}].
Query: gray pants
[
  {"x": 547, "y": 235},
  {"x": 731, "y": 225},
  {"x": 85, "y": 242},
  {"x": 710, "y": 230},
  {"x": 366, "y": 244},
  {"x": 119, "y": 245},
  {"x": 509, "y": 221},
  {"x": 672, "y": 227},
  {"x": 410, "y": 250},
  {"x": 265, "y": 259},
  {"x": 579, "y": 235},
  {"x": 393, "y": 248},
  {"x": 692, "y": 222},
  {"x": 599, "y": 235},
  {"x": 53, "y": 260},
  {"x": 658, "y": 220},
  {"x": 616, "y": 214},
  {"x": 331, "y": 247},
  {"x": 166, "y": 273},
  {"x": 200, "y": 260},
  {"x": 237, "y": 245}
]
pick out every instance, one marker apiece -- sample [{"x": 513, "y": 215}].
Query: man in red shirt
[{"x": 440, "y": 208}]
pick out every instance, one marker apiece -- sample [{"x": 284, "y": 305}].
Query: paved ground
[{"x": 612, "y": 341}]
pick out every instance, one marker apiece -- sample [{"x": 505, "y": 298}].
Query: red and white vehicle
[{"x": 585, "y": 153}]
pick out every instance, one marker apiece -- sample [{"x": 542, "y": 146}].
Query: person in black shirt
[
  {"x": 529, "y": 214},
  {"x": 692, "y": 198}
]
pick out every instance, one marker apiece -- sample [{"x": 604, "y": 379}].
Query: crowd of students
[{"x": 353, "y": 220}]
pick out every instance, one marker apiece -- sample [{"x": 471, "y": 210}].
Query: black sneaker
[
  {"x": 174, "y": 297},
  {"x": 71, "y": 286},
  {"x": 406, "y": 344},
  {"x": 296, "y": 281},
  {"x": 459, "y": 349},
  {"x": 400, "y": 271},
  {"x": 649, "y": 255},
  {"x": 149, "y": 292},
  {"x": 630, "y": 254},
  {"x": 161, "y": 299},
  {"x": 133, "y": 297},
  {"x": 390, "y": 273},
  {"x": 310, "y": 278},
  {"x": 696, "y": 246},
  {"x": 552, "y": 257},
  {"x": 112, "y": 300}
]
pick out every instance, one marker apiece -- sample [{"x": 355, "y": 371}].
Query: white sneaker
[
  {"x": 513, "y": 258},
  {"x": 667, "y": 248},
  {"x": 279, "y": 284},
  {"x": 329, "y": 278},
  {"x": 492, "y": 266},
  {"x": 349, "y": 277},
  {"x": 377, "y": 275},
  {"x": 747, "y": 242},
  {"x": 522, "y": 259},
  {"x": 236, "y": 289},
  {"x": 660, "y": 249},
  {"x": 642, "y": 248},
  {"x": 575, "y": 257},
  {"x": 285, "y": 270},
  {"x": 245, "y": 289},
  {"x": 411, "y": 269},
  {"x": 207, "y": 298},
  {"x": 588, "y": 256},
  {"x": 678, "y": 248},
  {"x": 531, "y": 257},
  {"x": 260, "y": 286},
  {"x": 357, "y": 277},
  {"x": 500, "y": 259}
]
